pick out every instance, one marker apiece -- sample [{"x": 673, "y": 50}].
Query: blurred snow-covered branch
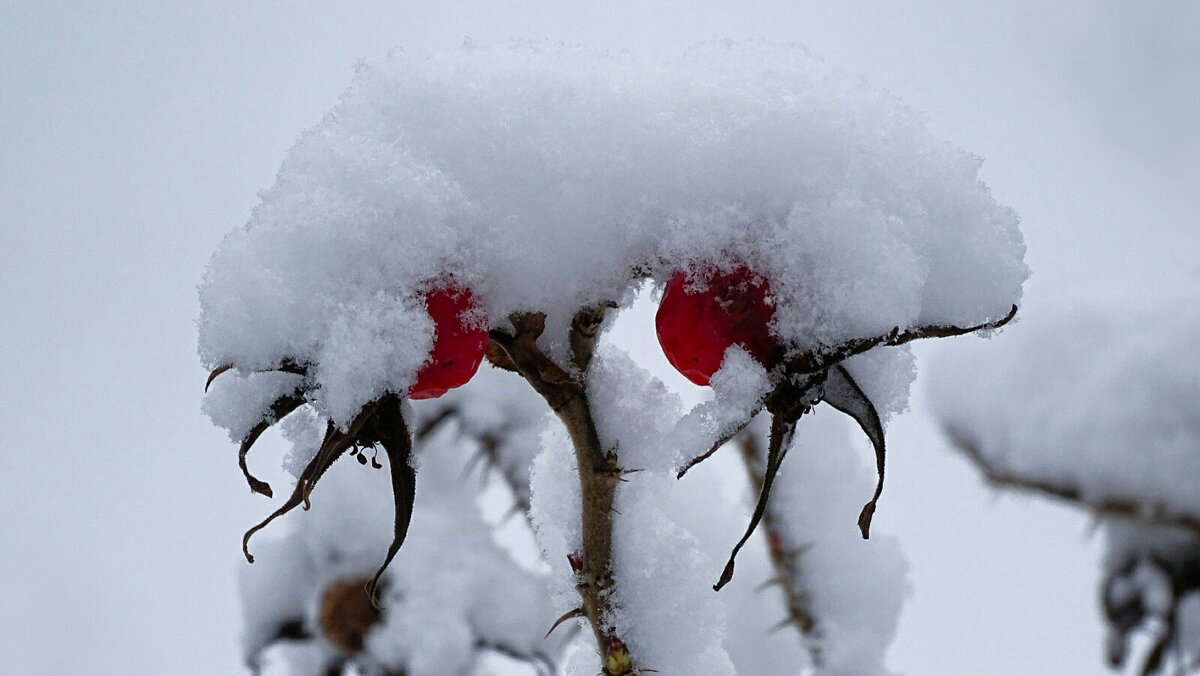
[{"x": 1102, "y": 411}]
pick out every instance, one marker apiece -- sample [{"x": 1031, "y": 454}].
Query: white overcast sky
[{"x": 134, "y": 135}]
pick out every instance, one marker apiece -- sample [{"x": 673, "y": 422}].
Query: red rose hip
[
  {"x": 458, "y": 343},
  {"x": 696, "y": 325}
]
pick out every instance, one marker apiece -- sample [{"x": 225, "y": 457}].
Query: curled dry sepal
[
  {"x": 379, "y": 423},
  {"x": 735, "y": 309},
  {"x": 457, "y": 351}
]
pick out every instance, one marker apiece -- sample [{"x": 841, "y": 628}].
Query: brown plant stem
[{"x": 599, "y": 472}]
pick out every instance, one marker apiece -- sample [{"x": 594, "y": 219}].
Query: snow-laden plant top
[
  {"x": 509, "y": 200},
  {"x": 548, "y": 178}
]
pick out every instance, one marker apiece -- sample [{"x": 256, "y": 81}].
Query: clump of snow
[
  {"x": 1100, "y": 397},
  {"x": 546, "y": 179},
  {"x": 275, "y": 593},
  {"x": 620, "y": 414},
  {"x": 295, "y": 658},
  {"x": 660, "y": 572},
  {"x": 885, "y": 375},
  {"x": 543, "y": 176},
  {"x": 739, "y": 387},
  {"x": 664, "y": 607},
  {"x": 368, "y": 352},
  {"x": 555, "y": 507},
  {"x": 305, "y": 430},
  {"x": 1187, "y": 623}
]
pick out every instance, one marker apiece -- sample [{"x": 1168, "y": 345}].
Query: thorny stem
[
  {"x": 599, "y": 471},
  {"x": 784, "y": 560}
]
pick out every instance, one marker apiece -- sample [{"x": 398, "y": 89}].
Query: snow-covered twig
[
  {"x": 599, "y": 471},
  {"x": 1138, "y": 510}
]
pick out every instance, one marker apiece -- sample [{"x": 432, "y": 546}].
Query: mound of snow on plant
[{"x": 548, "y": 178}]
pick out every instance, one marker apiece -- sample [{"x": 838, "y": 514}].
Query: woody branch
[{"x": 599, "y": 471}]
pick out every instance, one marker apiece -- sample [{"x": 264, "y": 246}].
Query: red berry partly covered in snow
[
  {"x": 696, "y": 325},
  {"x": 458, "y": 343}
]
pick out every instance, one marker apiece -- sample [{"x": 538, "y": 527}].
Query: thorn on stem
[
  {"x": 787, "y": 621},
  {"x": 216, "y": 372},
  {"x": 569, "y": 615}
]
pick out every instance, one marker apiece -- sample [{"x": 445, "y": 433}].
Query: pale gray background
[{"x": 134, "y": 135}]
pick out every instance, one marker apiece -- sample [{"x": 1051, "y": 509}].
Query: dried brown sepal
[
  {"x": 380, "y": 422},
  {"x": 842, "y": 393},
  {"x": 497, "y": 357},
  {"x": 282, "y": 407},
  {"x": 393, "y": 434},
  {"x": 313, "y": 471},
  {"x": 819, "y": 360},
  {"x": 256, "y": 485},
  {"x": 292, "y": 366},
  {"x": 1155, "y": 657},
  {"x": 337, "y": 442},
  {"x": 724, "y": 439},
  {"x": 216, "y": 372},
  {"x": 782, "y": 429},
  {"x": 286, "y": 366}
]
